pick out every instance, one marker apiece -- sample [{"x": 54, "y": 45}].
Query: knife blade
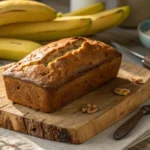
[
  {"x": 128, "y": 50},
  {"x": 145, "y": 59}
]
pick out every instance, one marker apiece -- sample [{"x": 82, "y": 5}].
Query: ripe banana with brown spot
[
  {"x": 15, "y": 11},
  {"x": 46, "y": 31},
  {"x": 104, "y": 20},
  {"x": 66, "y": 26}
]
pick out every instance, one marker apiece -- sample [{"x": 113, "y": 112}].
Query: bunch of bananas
[{"x": 35, "y": 21}]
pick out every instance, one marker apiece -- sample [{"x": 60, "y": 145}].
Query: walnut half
[
  {"x": 92, "y": 109},
  {"x": 88, "y": 108}
]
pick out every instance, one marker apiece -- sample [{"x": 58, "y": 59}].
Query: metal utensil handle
[
  {"x": 146, "y": 62},
  {"x": 124, "y": 129}
]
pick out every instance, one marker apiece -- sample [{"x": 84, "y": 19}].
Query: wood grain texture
[{"x": 69, "y": 124}]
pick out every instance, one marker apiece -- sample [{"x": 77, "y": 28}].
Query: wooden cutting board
[{"x": 69, "y": 124}]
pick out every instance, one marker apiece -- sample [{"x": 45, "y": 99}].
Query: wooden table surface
[
  {"x": 127, "y": 37},
  {"x": 144, "y": 145}
]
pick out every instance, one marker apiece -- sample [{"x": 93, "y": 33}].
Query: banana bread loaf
[{"x": 57, "y": 73}]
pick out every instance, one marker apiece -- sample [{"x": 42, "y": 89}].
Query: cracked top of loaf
[{"x": 59, "y": 62}]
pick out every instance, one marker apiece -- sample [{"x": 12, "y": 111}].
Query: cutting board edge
[{"x": 75, "y": 135}]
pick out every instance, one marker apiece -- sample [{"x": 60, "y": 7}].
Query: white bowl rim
[{"x": 141, "y": 30}]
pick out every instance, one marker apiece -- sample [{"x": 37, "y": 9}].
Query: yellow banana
[
  {"x": 14, "y": 49},
  {"x": 108, "y": 19},
  {"x": 92, "y": 9},
  {"x": 44, "y": 31},
  {"x": 24, "y": 11},
  {"x": 66, "y": 26},
  {"x": 105, "y": 19}
]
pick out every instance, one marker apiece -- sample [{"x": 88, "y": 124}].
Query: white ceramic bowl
[{"x": 144, "y": 38}]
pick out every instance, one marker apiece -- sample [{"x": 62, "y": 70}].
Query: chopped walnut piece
[
  {"x": 122, "y": 91},
  {"x": 92, "y": 109},
  {"x": 85, "y": 108},
  {"x": 138, "y": 80},
  {"x": 88, "y": 108}
]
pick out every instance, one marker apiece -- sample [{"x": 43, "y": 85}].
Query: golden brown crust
[
  {"x": 49, "y": 100},
  {"x": 55, "y": 64},
  {"x": 55, "y": 74}
]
